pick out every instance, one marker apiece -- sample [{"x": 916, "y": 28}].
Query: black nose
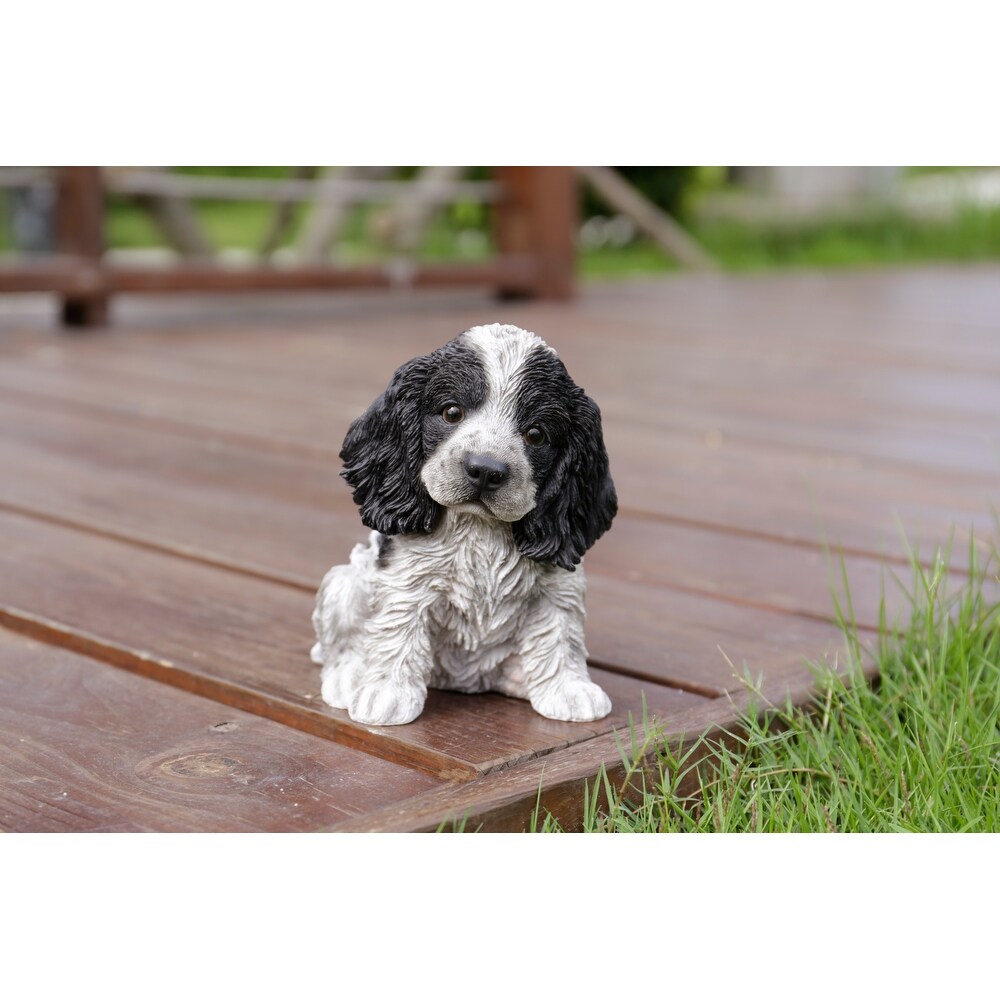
[{"x": 486, "y": 474}]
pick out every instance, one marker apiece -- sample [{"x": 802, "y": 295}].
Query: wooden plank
[
  {"x": 861, "y": 505},
  {"x": 764, "y": 319},
  {"x": 290, "y": 189},
  {"x": 767, "y": 409},
  {"x": 757, "y": 572},
  {"x": 288, "y": 518},
  {"x": 84, "y": 746},
  {"x": 803, "y": 495},
  {"x": 767, "y": 336},
  {"x": 698, "y": 643},
  {"x": 668, "y": 348},
  {"x": 244, "y": 642},
  {"x": 961, "y": 296},
  {"x": 949, "y": 313},
  {"x": 64, "y": 273},
  {"x": 194, "y": 277},
  {"x": 701, "y": 390},
  {"x": 77, "y": 275}
]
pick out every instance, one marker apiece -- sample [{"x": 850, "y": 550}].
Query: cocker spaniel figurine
[{"x": 482, "y": 471}]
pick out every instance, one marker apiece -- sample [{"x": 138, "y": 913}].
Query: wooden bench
[{"x": 534, "y": 226}]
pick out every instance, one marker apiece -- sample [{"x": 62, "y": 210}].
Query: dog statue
[{"x": 482, "y": 471}]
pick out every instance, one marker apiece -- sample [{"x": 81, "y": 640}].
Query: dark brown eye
[
  {"x": 534, "y": 435},
  {"x": 452, "y": 414}
]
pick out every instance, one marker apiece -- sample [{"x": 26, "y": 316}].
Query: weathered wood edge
[
  {"x": 206, "y": 557},
  {"x": 34, "y": 398},
  {"x": 504, "y": 801},
  {"x": 270, "y": 705},
  {"x": 88, "y": 747},
  {"x": 70, "y": 274}
]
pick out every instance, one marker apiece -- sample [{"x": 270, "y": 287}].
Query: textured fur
[{"x": 463, "y": 586}]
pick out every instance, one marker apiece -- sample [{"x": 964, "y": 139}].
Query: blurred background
[{"x": 729, "y": 217}]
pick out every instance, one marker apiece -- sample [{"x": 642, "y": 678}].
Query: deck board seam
[
  {"x": 222, "y": 692},
  {"x": 766, "y": 536},
  {"x": 295, "y": 446},
  {"x": 177, "y": 551}
]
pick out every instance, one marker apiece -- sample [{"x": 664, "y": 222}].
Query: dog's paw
[
  {"x": 572, "y": 700},
  {"x": 336, "y": 687},
  {"x": 385, "y": 703}
]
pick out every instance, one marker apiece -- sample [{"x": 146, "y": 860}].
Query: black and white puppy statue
[{"x": 483, "y": 472}]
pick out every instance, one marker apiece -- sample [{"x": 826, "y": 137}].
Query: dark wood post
[
  {"x": 537, "y": 216},
  {"x": 80, "y": 234}
]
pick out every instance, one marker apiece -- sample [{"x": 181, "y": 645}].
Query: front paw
[
  {"x": 387, "y": 703},
  {"x": 338, "y": 683},
  {"x": 572, "y": 700}
]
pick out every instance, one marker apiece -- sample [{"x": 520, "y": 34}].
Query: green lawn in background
[
  {"x": 887, "y": 239},
  {"x": 890, "y": 238}
]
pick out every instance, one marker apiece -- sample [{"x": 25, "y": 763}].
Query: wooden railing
[{"x": 534, "y": 225}]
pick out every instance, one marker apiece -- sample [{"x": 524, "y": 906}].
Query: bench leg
[
  {"x": 80, "y": 234},
  {"x": 537, "y": 216}
]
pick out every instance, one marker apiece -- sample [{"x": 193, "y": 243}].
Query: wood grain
[
  {"x": 863, "y": 506},
  {"x": 245, "y": 642},
  {"x": 171, "y": 499},
  {"x": 757, "y": 374},
  {"x": 86, "y": 747},
  {"x": 906, "y": 417},
  {"x": 287, "y": 519}
]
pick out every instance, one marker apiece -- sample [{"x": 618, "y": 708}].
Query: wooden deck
[{"x": 169, "y": 500}]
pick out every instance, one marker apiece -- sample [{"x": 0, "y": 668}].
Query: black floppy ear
[
  {"x": 577, "y": 502},
  {"x": 383, "y": 454}
]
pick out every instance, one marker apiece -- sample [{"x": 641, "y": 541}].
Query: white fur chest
[
  {"x": 487, "y": 586},
  {"x": 476, "y": 590}
]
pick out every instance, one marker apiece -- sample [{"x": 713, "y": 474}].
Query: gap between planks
[
  {"x": 308, "y": 585},
  {"x": 328, "y": 458},
  {"x": 215, "y": 689},
  {"x": 737, "y": 422},
  {"x": 252, "y": 656},
  {"x": 382, "y": 744}
]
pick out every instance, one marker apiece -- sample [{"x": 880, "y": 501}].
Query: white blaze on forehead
[
  {"x": 503, "y": 350},
  {"x": 490, "y": 430}
]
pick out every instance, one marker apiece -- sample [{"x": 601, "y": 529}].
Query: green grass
[
  {"x": 889, "y": 238},
  {"x": 918, "y": 750},
  {"x": 243, "y": 225}
]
